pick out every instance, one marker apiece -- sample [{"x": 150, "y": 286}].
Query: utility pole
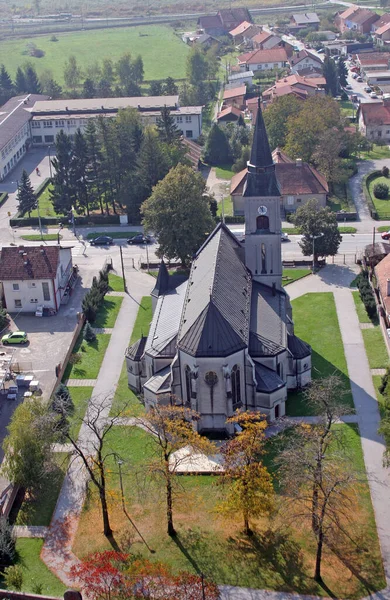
[
  {"x": 147, "y": 256},
  {"x": 123, "y": 270},
  {"x": 39, "y": 219},
  {"x": 373, "y": 236}
]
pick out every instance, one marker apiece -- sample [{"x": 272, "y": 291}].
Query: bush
[
  {"x": 385, "y": 380},
  {"x": 385, "y": 172},
  {"x": 62, "y": 402},
  {"x": 13, "y": 578},
  {"x": 89, "y": 334},
  {"x": 381, "y": 191},
  {"x": 7, "y": 543}
]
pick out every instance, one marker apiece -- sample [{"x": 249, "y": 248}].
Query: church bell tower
[{"x": 263, "y": 247}]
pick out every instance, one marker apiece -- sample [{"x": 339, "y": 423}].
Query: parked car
[
  {"x": 373, "y": 95},
  {"x": 140, "y": 238},
  {"x": 348, "y": 87},
  {"x": 355, "y": 69},
  {"x": 367, "y": 89},
  {"x": 354, "y": 75},
  {"x": 102, "y": 240},
  {"x": 284, "y": 236},
  {"x": 385, "y": 235},
  {"x": 359, "y": 79},
  {"x": 16, "y": 337}
]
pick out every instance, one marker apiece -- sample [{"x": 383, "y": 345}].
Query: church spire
[{"x": 261, "y": 179}]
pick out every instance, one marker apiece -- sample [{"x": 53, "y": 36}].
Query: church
[{"x": 223, "y": 339}]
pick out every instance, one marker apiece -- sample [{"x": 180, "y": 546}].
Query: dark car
[
  {"x": 102, "y": 240},
  {"x": 140, "y": 238}
]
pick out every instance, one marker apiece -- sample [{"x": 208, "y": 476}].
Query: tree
[
  {"x": 276, "y": 117},
  {"x": 79, "y": 164},
  {"x": 62, "y": 193},
  {"x": 97, "y": 454},
  {"x": 13, "y": 577},
  {"x": 94, "y": 161},
  {"x": 197, "y": 66},
  {"x": 7, "y": 543},
  {"x": 93, "y": 72},
  {"x": 381, "y": 190},
  {"x": 152, "y": 163},
  {"x": 27, "y": 446},
  {"x": 89, "y": 334},
  {"x": 171, "y": 428},
  {"x": 20, "y": 81},
  {"x": 3, "y": 317},
  {"x": 329, "y": 71},
  {"x": 249, "y": 484},
  {"x": 5, "y": 80},
  {"x": 27, "y": 200},
  {"x": 89, "y": 90},
  {"x": 32, "y": 81},
  {"x": 138, "y": 69},
  {"x": 342, "y": 72},
  {"x": 124, "y": 70},
  {"x": 72, "y": 73},
  {"x": 326, "y": 156},
  {"x": 167, "y": 128},
  {"x": 178, "y": 212},
  {"x": 217, "y": 150},
  {"x": 315, "y": 470},
  {"x": 316, "y": 221},
  {"x": 104, "y": 89},
  {"x": 62, "y": 402},
  {"x": 156, "y": 88},
  {"x": 170, "y": 87},
  {"x": 108, "y": 71}
]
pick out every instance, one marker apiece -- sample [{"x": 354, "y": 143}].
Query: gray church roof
[
  {"x": 215, "y": 318},
  {"x": 136, "y": 350},
  {"x": 166, "y": 282},
  {"x": 267, "y": 380},
  {"x": 297, "y": 347},
  {"x": 260, "y": 346},
  {"x": 268, "y": 315},
  {"x": 160, "y": 382},
  {"x": 166, "y": 320}
]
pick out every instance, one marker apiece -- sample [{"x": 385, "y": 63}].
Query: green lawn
[
  {"x": 163, "y": 53},
  {"x": 347, "y": 108},
  {"x": 38, "y": 510},
  {"x": 46, "y": 237},
  {"x": 91, "y": 358},
  {"x": 382, "y": 228},
  {"x": 360, "y": 309},
  {"x": 382, "y": 206},
  {"x": 143, "y": 320},
  {"x": 376, "y": 153},
  {"x": 227, "y": 207},
  {"x": 338, "y": 200},
  {"x": 292, "y": 230},
  {"x": 108, "y": 312},
  {"x": 80, "y": 396},
  {"x": 290, "y": 275},
  {"x": 377, "y": 380},
  {"x": 276, "y": 557},
  {"x": 376, "y": 350},
  {"x": 316, "y": 322},
  {"x": 224, "y": 171},
  {"x": 45, "y": 204},
  {"x": 115, "y": 282},
  {"x": 116, "y": 235}
]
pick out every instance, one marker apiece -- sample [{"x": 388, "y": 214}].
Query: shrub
[
  {"x": 89, "y": 334},
  {"x": 7, "y": 543},
  {"x": 54, "y": 38},
  {"x": 75, "y": 358},
  {"x": 385, "y": 380},
  {"x": 381, "y": 191},
  {"x": 385, "y": 171},
  {"x": 62, "y": 402},
  {"x": 13, "y": 578}
]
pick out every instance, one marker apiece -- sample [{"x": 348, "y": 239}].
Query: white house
[
  {"x": 303, "y": 60},
  {"x": 15, "y": 130},
  {"x": 35, "y": 275},
  {"x": 243, "y": 77},
  {"x": 50, "y": 116},
  {"x": 259, "y": 60}
]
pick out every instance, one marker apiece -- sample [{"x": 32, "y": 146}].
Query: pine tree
[
  {"x": 63, "y": 192},
  {"x": 342, "y": 72},
  {"x": 156, "y": 88},
  {"x": 152, "y": 163},
  {"x": 104, "y": 89},
  {"x": 32, "y": 82},
  {"x": 138, "y": 69},
  {"x": 79, "y": 164},
  {"x": 5, "y": 79},
  {"x": 89, "y": 90},
  {"x": 170, "y": 87},
  {"x": 329, "y": 71},
  {"x": 94, "y": 161},
  {"x": 26, "y": 198},
  {"x": 217, "y": 151},
  {"x": 167, "y": 128},
  {"x": 20, "y": 81},
  {"x": 53, "y": 89}
]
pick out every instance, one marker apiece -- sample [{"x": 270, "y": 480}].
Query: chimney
[
  {"x": 388, "y": 287},
  {"x": 298, "y": 162}
]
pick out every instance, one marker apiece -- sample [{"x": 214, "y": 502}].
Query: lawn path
[{"x": 57, "y": 550}]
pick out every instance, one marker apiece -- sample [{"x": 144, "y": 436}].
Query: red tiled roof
[
  {"x": 262, "y": 37},
  {"x": 374, "y": 58},
  {"x": 375, "y": 113},
  {"x": 350, "y": 11},
  {"x": 193, "y": 152},
  {"x": 272, "y": 55},
  {"x": 237, "y": 180},
  {"x": 285, "y": 90},
  {"x": 28, "y": 262},
  {"x": 301, "y": 55},
  {"x": 363, "y": 15},
  {"x": 234, "y": 92},
  {"x": 230, "y": 110},
  {"x": 241, "y": 28},
  {"x": 382, "y": 29},
  {"x": 382, "y": 272}
]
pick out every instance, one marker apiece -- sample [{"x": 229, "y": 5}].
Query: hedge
[
  {"x": 365, "y": 183},
  {"x": 233, "y": 219},
  {"x": 92, "y": 219}
]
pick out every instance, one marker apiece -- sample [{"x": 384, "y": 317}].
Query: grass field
[
  {"x": 290, "y": 275},
  {"x": 361, "y": 311},
  {"x": 227, "y": 207},
  {"x": 115, "y": 282},
  {"x": 278, "y": 556},
  {"x": 80, "y": 396},
  {"x": 224, "y": 171},
  {"x": 376, "y": 350},
  {"x": 376, "y": 153},
  {"x": 108, "y": 312},
  {"x": 327, "y": 348},
  {"x": 163, "y": 53},
  {"x": 382, "y": 228},
  {"x": 91, "y": 358},
  {"x": 46, "y": 237},
  {"x": 382, "y": 206},
  {"x": 45, "y": 204}
]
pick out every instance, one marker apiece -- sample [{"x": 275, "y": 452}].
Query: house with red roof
[
  {"x": 374, "y": 120},
  {"x": 263, "y": 60},
  {"x": 234, "y": 96},
  {"x": 355, "y": 18},
  {"x": 298, "y": 182},
  {"x": 304, "y": 59},
  {"x": 229, "y": 115},
  {"x": 35, "y": 275},
  {"x": 301, "y": 87},
  {"x": 382, "y": 34},
  {"x": 382, "y": 273}
]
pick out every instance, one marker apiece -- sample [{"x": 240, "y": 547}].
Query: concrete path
[
  {"x": 81, "y": 382},
  {"x": 365, "y": 223},
  {"x": 30, "y": 531},
  {"x": 57, "y": 550},
  {"x": 108, "y": 330}
]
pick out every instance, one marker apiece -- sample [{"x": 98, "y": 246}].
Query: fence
[{"x": 60, "y": 372}]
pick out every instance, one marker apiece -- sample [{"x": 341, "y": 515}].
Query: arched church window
[
  {"x": 236, "y": 387},
  {"x": 263, "y": 259},
  {"x": 187, "y": 374},
  {"x": 262, "y": 222}
]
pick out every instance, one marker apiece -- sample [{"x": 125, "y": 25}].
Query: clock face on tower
[{"x": 262, "y": 210}]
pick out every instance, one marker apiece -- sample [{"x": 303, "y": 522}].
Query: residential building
[
  {"x": 234, "y": 97},
  {"x": 373, "y": 61},
  {"x": 298, "y": 183},
  {"x": 50, "y": 116},
  {"x": 200, "y": 39},
  {"x": 266, "y": 40},
  {"x": 374, "y": 120},
  {"x": 35, "y": 275},
  {"x": 15, "y": 130},
  {"x": 224, "y": 339},
  {"x": 382, "y": 35},
  {"x": 382, "y": 273},
  {"x": 224, "y": 21},
  {"x": 242, "y": 77},
  {"x": 229, "y": 115},
  {"x": 238, "y": 33},
  {"x": 383, "y": 20},
  {"x": 356, "y": 19},
  {"x": 301, "y": 87},
  {"x": 304, "y": 20},
  {"x": 263, "y": 60},
  {"x": 304, "y": 59}
]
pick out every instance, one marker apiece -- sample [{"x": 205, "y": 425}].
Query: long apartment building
[{"x": 35, "y": 120}]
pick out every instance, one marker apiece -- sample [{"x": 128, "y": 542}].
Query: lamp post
[
  {"x": 39, "y": 219},
  {"x": 315, "y": 237},
  {"x": 58, "y": 233}
]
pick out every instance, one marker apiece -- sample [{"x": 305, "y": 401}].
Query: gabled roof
[
  {"x": 272, "y": 55},
  {"x": 268, "y": 314},
  {"x": 363, "y": 15},
  {"x": 240, "y": 29},
  {"x": 303, "y": 55},
  {"x": 230, "y": 110},
  {"x": 159, "y": 383},
  {"x": 381, "y": 30},
  {"x": 210, "y": 22},
  {"x": 215, "y": 317},
  {"x": 136, "y": 350},
  {"x": 298, "y": 348},
  {"x": 278, "y": 156},
  {"x": 349, "y": 12},
  {"x": 262, "y": 37},
  {"x": 374, "y": 58},
  {"x": 309, "y": 18},
  {"x": 260, "y": 346},
  {"x": 14, "y": 114},
  {"x": 29, "y": 262},
  {"x": 267, "y": 380},
  {"x": 235, "y": 92},
  {"x": 166, "y": 320},
  {"x": 374, "y": 113},
  {"x": 382, "y": 272},
  {"x": 383, "y": 20}
]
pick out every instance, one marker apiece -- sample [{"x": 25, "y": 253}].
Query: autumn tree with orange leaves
[
  {"x": 114, "y": 575},
  {"x": 247, "y": 482}
]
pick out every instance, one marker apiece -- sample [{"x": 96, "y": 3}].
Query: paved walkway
[
  {"x": 57, "y": 550},
  {"x": 108, "y": 330},
  {"x": 81, "y": 382},
  {"x": 378, "y": 371},
  {"x": 30, "y": 531}
]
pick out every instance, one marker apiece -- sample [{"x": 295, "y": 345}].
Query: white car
[
  {"x": 284, "y": 236},
  {"x": 373, "y": 95}
]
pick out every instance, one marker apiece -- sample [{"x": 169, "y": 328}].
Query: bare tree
[
  {"x": 95, "y": 451},
  {"x": 315, "y": 470},
  {"x": 172, "y": 431}
]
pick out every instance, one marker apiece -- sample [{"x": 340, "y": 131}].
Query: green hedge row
[
  {"x": 365, "y": 183},
  {"x": 80, "y": 221}
]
